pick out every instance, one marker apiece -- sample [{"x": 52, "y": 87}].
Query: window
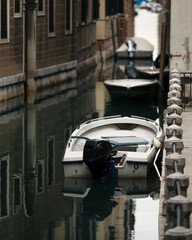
[
  {"x": 41, "y": 7},
  {"x": 51, "y": 22},
  {"x": 51, "y": 160},
  {"x": 95, "y": 9},
  {"x": 17, "y": 192},
  {"x": 4, "y": 187},
  {"x": 4, "y": 20},
  {"x": 68, "y": 14},
  {"x": 84, "y": 11},
  {"x": 17, "y": 8},
  {"x": 40, "y": 176},
  {"x": 113, "y": 7}
]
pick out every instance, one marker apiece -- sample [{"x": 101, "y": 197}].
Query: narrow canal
[{"x": 36, "y": 202}]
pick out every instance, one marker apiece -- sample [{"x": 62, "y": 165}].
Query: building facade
[
  {"x": 114, "y": 24},
  {"x": 45, "y": 42}
]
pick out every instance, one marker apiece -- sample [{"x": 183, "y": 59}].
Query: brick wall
[
  {"x": 11, "y": 53},
  {"x": 57, "y": 49}
]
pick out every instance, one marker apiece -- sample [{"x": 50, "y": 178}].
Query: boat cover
[{"x": 140, "y": 2}]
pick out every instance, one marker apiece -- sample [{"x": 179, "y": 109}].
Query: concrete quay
[
  {"x": 182, "y": 219},
  {"x": 187, "y": 151},
  {"x": 187, "y": 154}
]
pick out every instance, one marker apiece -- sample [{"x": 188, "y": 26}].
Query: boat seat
[{"x": 126, "y": 140}]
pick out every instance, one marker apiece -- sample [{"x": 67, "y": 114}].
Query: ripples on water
[{"x": 36, "y": 202}]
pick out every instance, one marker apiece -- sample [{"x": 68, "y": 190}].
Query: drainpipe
[{"x": 30, "y": 44}]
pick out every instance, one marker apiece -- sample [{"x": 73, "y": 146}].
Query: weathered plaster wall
[{"x": 180, "y": 35}]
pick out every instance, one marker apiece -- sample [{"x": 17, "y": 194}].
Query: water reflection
[
  {"x": 33, "y": 136},
  {"x": 132, "y": 108},
  {"x": 108, "y": 208}
]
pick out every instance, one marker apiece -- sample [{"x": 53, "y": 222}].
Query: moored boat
[
  {"x": 132, "y": 88},
  {"x": 117, "y": 146},
  {"x": 135, "y": 48}
]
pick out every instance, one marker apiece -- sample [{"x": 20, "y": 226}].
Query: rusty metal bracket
[{"x": 175, "y": 55}]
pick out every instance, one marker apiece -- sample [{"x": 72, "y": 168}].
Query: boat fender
[{"x": 157, "y": 143}]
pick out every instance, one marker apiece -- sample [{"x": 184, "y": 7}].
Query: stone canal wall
[{"x": 175, "y": 204}]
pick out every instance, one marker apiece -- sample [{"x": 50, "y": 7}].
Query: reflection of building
[
  {"x": 118, "y": 224},
  {"x": 31, "y": 147},
  {"x": 106, "y": 209}
]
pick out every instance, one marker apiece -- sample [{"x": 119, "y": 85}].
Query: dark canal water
[{"x": 36, "y": 202}]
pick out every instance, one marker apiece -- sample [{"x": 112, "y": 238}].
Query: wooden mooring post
[{"x": 163, "y": 49}]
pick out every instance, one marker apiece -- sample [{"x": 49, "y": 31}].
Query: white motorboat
[
  {"x": 117, "y": 146},
  {"x": 135, "y": 48},
  {"x": 132, "y": 88}
]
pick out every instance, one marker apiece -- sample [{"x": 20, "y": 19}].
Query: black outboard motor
[
  {"x": 97, "y": 156},
  {"x": 131, "y": 46}
]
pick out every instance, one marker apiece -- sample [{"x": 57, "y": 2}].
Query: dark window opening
[
  {"x": 68, "y": 14},
  {"x": 50, "y": 161},
  {"x": 95, "y": 9},
  {"x": 85, "y": 9},
  {"x": 17, "y": 6},
  {"x": 4, "y": 33},
  {"x": 39, "y": 178},
  {"x": 51, "y": 16},
  {"x": 17, "y": 191},
  {"x": 3, "y": 190},
  {"x": 17, "y": 194},
  {"x": 113, "y": 7},
  {"x": 40, "y": 5}
]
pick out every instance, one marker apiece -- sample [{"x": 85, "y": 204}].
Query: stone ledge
[
  {"x": 11, "y": 80},
  {"x": 55, "y": 69}
]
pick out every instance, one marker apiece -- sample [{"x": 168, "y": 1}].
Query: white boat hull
[
  {"x": 144, "y": 50},
  {"x": 130, "y": 170},
  {"x": 135, "y": 158}
]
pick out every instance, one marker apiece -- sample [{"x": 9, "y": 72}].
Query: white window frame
[
  {"x": 41, "y": 13},
  {"x": 19, "y": 14},
  {"x": 5, "y": 40},
  {"x": 69, "y": 31},
  {"x": 51, "y": 34}
]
